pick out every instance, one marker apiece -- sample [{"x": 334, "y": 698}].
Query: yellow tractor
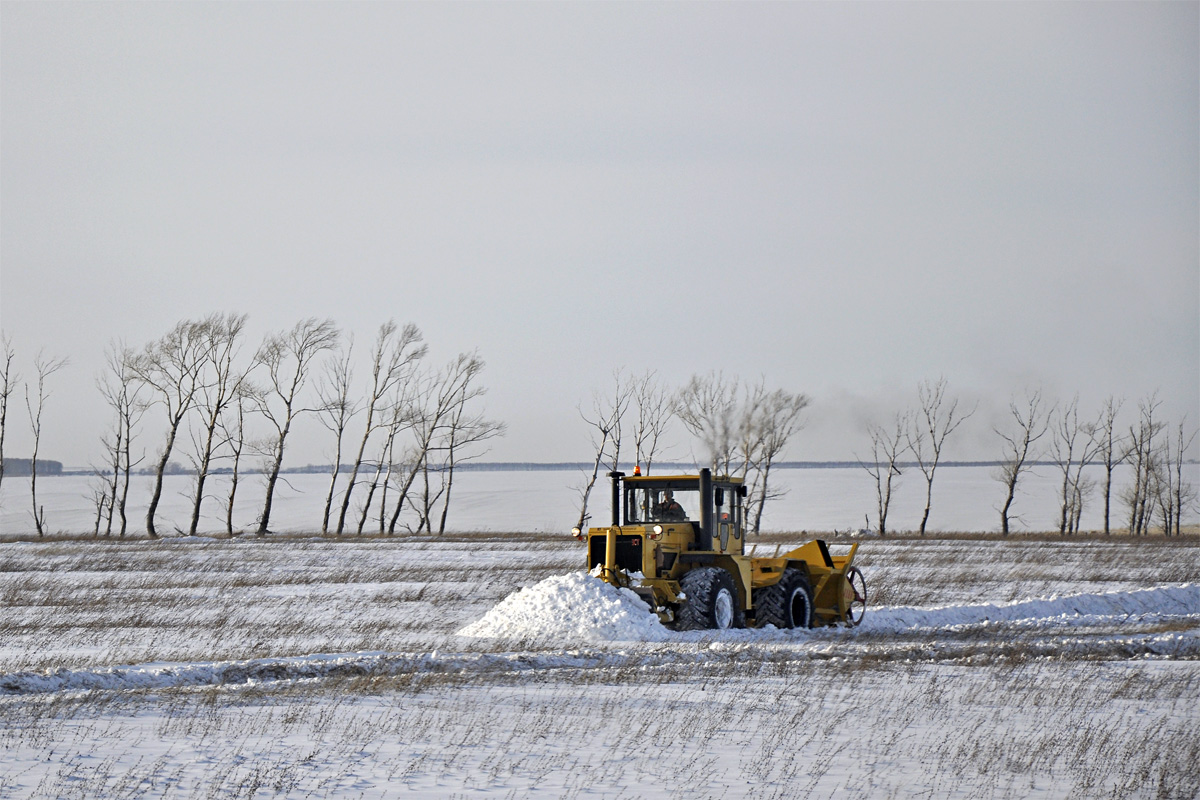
[{"x": 680, "y": 545}]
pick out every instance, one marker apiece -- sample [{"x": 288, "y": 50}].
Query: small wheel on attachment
[{"x": 855, "y": 596}]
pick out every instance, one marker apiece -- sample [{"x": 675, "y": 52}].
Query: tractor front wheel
[
  {"x": 712, "y": 601},
  {"x": 787, "y": 604}
]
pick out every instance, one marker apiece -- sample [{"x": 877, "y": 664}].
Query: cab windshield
[{"x": 661, "y": 504}]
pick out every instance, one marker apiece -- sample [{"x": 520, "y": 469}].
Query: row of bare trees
[
  {"x": 417, "y": 422},
  {"x": 1037, "y": 430},
  {"x": 420, "y": 424},
  {"x": 1158, "y": 493},
  {"x": 919, "y": 435},
  {"x": 743, "y": 428}
]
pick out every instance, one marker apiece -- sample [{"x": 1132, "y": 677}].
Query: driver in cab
[{"x": 669, "y": 509}]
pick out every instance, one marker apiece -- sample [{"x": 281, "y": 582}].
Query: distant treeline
[{"x": 22, "y": 467}]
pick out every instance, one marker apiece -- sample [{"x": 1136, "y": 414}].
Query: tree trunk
[
  {"x": 408, "y": 482},
  {"x": 233, "y": 487},
  {"x": 201, "y": 478},
  {"x": 1108, "y": 471},
  {"x": 762, "y": 499},
  {"x": 116, "y": 482},
  {"x": 446, "y": 504},
  {"x": 928, "y": 503},
  {"x": 157, "y": 493},
  {"x": 272, "y": 478},
  {"x": 37, "y": 515},
  {"x": 1007, "y": 505},
  {"x": 1066, "y": 509},
  {"x": 371, "y": 487},
  {"x": 337, "y": 465},
  {"x": 126, "y": 469},
  {"x": 341, "y": 526}
]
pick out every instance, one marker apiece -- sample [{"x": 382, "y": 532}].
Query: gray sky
[{"x": 842, "y": 198}]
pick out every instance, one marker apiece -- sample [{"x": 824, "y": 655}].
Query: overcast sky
[{"x": 844, "y": 199}]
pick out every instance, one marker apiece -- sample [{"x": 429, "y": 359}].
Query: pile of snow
[{"x": 574, "y": 607}]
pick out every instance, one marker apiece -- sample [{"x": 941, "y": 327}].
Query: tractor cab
[
  {"x": 663, "y": 527},
  {"x": 680, "y": 502}
]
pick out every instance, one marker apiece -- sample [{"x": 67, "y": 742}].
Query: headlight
[
  {"x": 577, "y": 533},
  {"x": 656, "y": 532}
]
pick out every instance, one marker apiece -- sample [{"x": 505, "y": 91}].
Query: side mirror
[{"x": 742, "y": 490}]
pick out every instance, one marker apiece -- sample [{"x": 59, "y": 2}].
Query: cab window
[{"x": 652, "y": 504}]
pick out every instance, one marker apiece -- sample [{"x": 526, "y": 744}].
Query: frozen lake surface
[{"x": 816, "y": 499}]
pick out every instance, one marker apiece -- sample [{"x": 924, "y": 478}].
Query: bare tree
[
  {"x": 133, "y": 408},
  {"x": 107, "y": 479},
  {"x": 121, "y": 391},
  {"x": 1174, "y": 495},
  {"x": 604, "y": 425},
  {"x": 1109, "y": 447},
  {"x": 444, "y": 431},
  {"x": 44, "y": 367},
  {"x": 438, "y": 397},
  {"x": 1142, "y": 452},
  {"x": 1073, "y": 450},
  {"x": 888, "y": 445},
  {"x": 172, "y": 367},
  {"x": 336, "y": 410},
  {"x": 710, "y": 408},
  {"x": 8, "y": 382},
  {"x": 401, "y": 416},
  {"x": 394, "y": 359},
  {"x": 1031, "y": 421},
  {"x": 1158, "y": 489},
  {"x": 220, "y": 383},
  {"x": 287, "y": 357},
  {"x": 403, "y": 469},
  {"x": 770, "y": 420},
  {"x": 434, "y": 408},
  {"x": 743, "y": 431},
  {"x": 464, "y": 428},
  {"x": 100, "y": 501},
  {"x": 655, "y": 408},
  {"x": 431, "y": 401},
  {"x": 1167, "y": 492},
  {"x": 233, "y": 431},
  {"x": 937, "y": 418}
]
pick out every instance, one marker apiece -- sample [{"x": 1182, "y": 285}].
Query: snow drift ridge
[{"x": 577, "y": 608}]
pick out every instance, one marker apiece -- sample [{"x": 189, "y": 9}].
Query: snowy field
[
  {"x": 488, "y": 665},
  {"x": 965, "y": 499}
]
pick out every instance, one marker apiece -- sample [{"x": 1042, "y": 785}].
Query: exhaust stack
[
  {"x": 616, "y": 496},
  {"x": 706, "y": 509}
]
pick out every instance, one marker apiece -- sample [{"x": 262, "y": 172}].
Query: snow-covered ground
[
  {"x": 965, "y": 499},
  {"x": 481, "y": 665}
]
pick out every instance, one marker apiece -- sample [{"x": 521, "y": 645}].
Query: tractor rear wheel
[
  {"x": 787, "y": 604},
  {"x": 712, "y": 601}
]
